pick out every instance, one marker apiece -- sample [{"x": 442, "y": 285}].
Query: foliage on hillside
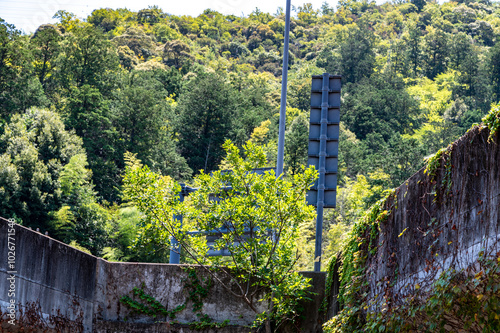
[{"x": 171, "y": 89}]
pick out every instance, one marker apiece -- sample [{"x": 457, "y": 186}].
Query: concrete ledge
[{"x": 124, "y": 327}]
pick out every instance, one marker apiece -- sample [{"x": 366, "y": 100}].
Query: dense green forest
[{"x": 82, "y": 98}]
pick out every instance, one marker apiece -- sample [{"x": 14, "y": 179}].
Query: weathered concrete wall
[
  {"x": 121, "y": 327},
  {"x": 166, "y": 283},
  {"x": 440, "y": 223},
  {"x": 432, "y": 227},
  {"x": 58, "y": 286},
  {"x": 59, "y": 277}
]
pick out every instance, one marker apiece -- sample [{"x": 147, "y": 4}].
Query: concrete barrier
[{"x": 59, "y": 288}]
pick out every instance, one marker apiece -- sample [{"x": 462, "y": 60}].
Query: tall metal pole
[
  {"x": 284, "y": 79},
  {"x": 175, "y": 248},
  {"x": 322, "y": 170}
]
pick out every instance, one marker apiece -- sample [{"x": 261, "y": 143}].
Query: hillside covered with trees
[{"x": 82, "y": 99}]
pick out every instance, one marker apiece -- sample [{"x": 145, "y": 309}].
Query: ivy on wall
[
  {"x": 362, "y": 244},
  {"x": 465, "y": 300},
  {"x": 197, "y": 290}
]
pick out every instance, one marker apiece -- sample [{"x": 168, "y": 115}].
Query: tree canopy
[{"x": 79, "y": 95}]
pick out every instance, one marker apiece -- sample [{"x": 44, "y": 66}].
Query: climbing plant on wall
[{"x": 196, "y": 289}]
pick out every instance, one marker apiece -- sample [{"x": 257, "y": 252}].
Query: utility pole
[{"x": 284, "y": 81}]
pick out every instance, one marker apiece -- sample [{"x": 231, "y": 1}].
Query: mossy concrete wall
[
  {"x": 439, "y": 221},
  {"x": 60, "y": 287}
]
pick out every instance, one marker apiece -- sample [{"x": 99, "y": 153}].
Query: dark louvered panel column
[{"x": 323, "y": 148}]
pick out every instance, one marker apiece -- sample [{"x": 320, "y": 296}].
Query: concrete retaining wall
[
  {"x": 440, "y": 223},
  {"x": 59, "y": 277},
  {"x": 58, "y": 286}
]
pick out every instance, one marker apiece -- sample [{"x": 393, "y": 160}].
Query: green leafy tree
[
  {"x": 80, "y": 219},
  {"x": 468, "y": 78},
  {"x": 137, "y": 41},
  {"x": 88, "y": 113},
  {"x": 177, "y": 53},
  {"x": 307, "y": 14},
  {"x": 354, "y": 198},
  {"x": 420, "y": 4},
  {"x": 34, "y": 149},
  {"x": 75, "y": 181},
  {"x": 205, "y": 112},
  {"x": 145, "y": 120},
  {"x": 494, "y": 69},
  {"x": 261, "y": 214},
  {"x": 150, "y": 15},
  {"x": 127, "y": 242},
  {"x": 403, "y": 158},
  {"x": 105, "y": 18},
  {"x": 46, "y": 47},
  {"x": 326, "y": 9},
  {"x": 67, "y": 21},
  {"x": 19, "y": 89},
  {"x": 87, "y": 59},
  {"x": 128, "y": 59},
  {"x": 90, "y": 229},
  {"x": 9, "y": 186},
  {"x": 296, "y": 144},
  {"x": 351, "y": 152},
  {"x": 379, "y": 105},
  {"x": 357, "y": 55},
  {"x": 251, "y": 93},
  {"x": 354, "y": 59},
  {"x": 482, "y": 32},
  {"x": 435, "y": 47},
  {"x": 460, "y": 48},
  {"x": 412, "y": 39}
]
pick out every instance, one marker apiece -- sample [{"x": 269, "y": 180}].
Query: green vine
[
  {"x": 150, "y": 306},
  {"x": 362, "y": 242},
  {"x": 207, "y": 322},
  {"x": 492, "y": 120},
  {"x": 434, "y": 163},
  {"x": 370, "y": 222},
  {"x": 197, "y": 290},
  {"x": 447, "y": 182},
  {"x": 330, "y": 271},
  {"x": 460, "y": 300},
  {"x": 443, "y": 156}
]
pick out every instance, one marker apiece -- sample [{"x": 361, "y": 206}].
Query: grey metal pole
[
  {"x": 175, "y": 249},
  {"x": 284, "y": 79},
  {"x": 322, "y": 169}
]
